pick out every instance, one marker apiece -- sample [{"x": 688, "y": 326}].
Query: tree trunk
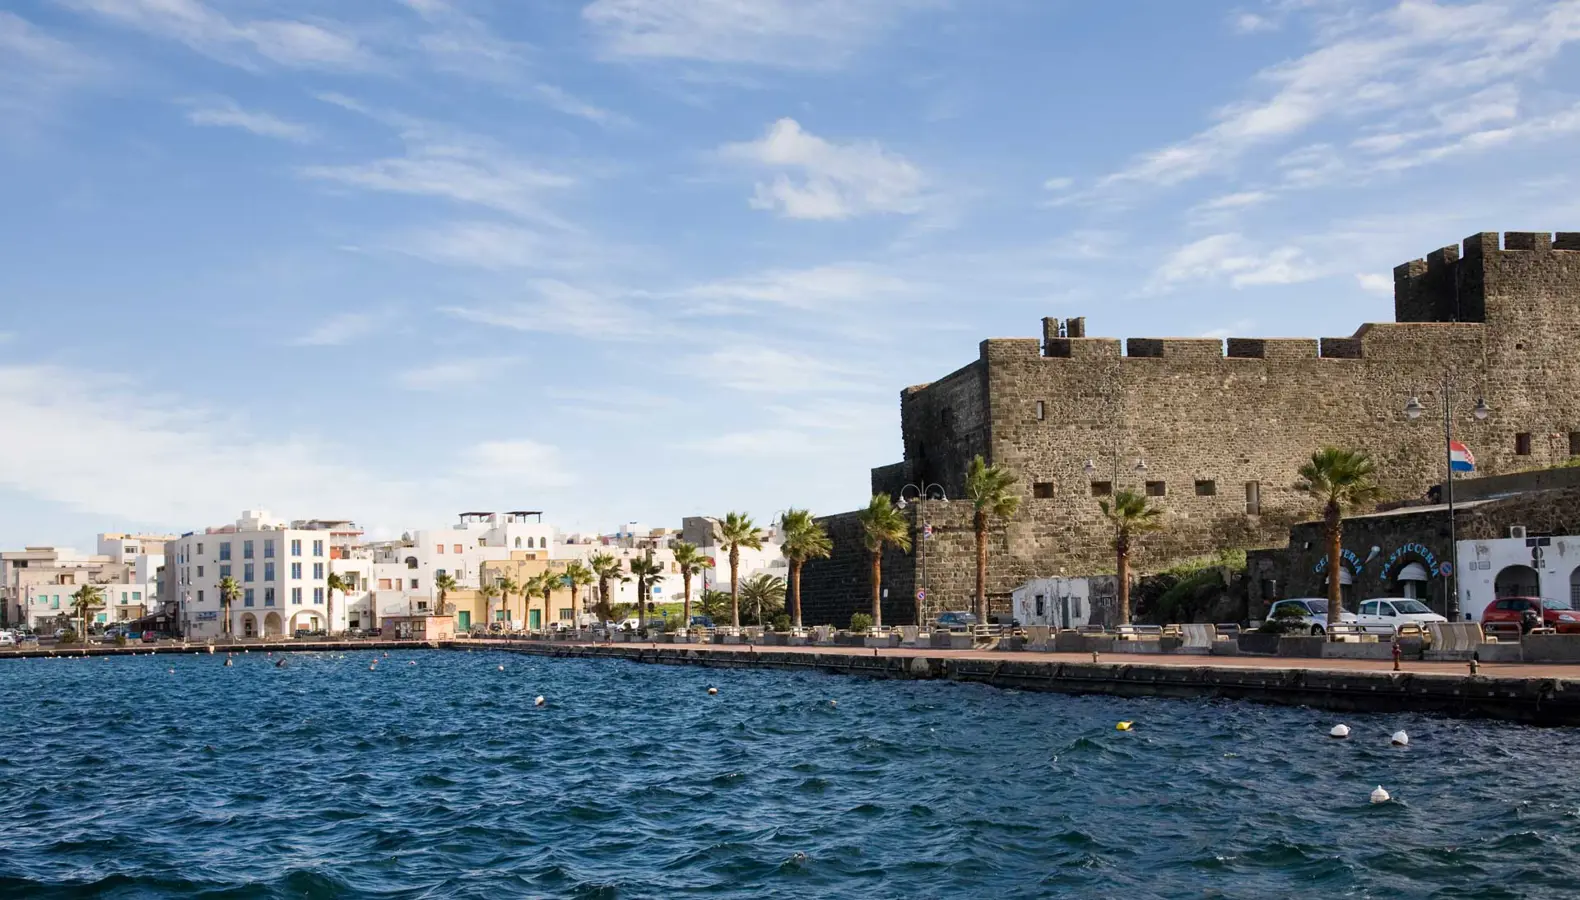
[
  {"x": 641, "y": 605},
  {"x": 329, "y": 611},
  {"x": 877, "y": 589},
  {"x": 573, "y": 602},
  {"x": 1122, "y": 568},
  {"x": 795, "y": 592},
  {"x": 982, "y": 604},
  {"x": 735, "y": 585},
  {"x": 1335, "y": 528},
  {"x": 604, "y": 609},
  {"x": 547, "y": 593},
  {"x": 685, "y": 608}
]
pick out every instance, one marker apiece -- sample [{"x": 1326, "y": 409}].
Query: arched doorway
[
  {"x": 273, "y": 626},
  {"x": 306, "y": 621},
  {"x": 249, "y": 625},
  {"x": 1346, "y": 587},
  {"x": 1574, "y": 588},
  {"x": 1412, "y": 581},
  {"x": 1517, "y": 581}
]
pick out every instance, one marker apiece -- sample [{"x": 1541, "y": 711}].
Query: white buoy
[
  {"x": 172, "y": 671},
  {"x": 712, "y": 691},
  {"x": 539, "y": 701},
  {"x": 1339, "y": 731},
  {"x": 501, "y": 668},
  {"x": 1399, "y": 739},
  {"x": 833, "y": 703},
  {"x": 1380, "y": 795}
]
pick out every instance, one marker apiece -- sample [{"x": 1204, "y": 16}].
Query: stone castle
[{"x": 1221, "y": 426}]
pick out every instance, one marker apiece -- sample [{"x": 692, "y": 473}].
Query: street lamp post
[
  {"x": 924, "y": 491},
  {"x": 1413, "y": 410}
]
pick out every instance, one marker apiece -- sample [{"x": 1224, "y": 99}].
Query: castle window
[
  {"x": 1253, "y": 498},
  {"x": 1042, "y": 410},
  {"x": 1574, "y": 443},
  {"x": 1522, "y": 444},
  {"x": 1157, "y": 489},
  {"x": 1102, "y": 488},
  {"x": 1207, "y": 488},
  {"x": 1042, "y": 490}
]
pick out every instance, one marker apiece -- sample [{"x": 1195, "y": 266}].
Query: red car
[{"x": 1557, "y": 614}]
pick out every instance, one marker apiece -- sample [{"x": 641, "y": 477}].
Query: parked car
[
  {"x": 7, "y": 639},
  {"x": 630, "y": 625},
  {"x": 1555, "y": 613},
  {"x": 1396, "y": 611},
  {"x": 308, "y": 632},
  {"x": 953, "y": 621},
  {"x": 1312, "y": 611},
  {"x": 702, "y": 622},
  {"x": 27, "y": 640},
  {"x": 150, "y": 637}
]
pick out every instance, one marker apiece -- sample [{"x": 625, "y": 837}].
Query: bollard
[
  {"x": 1396, "y": 653},
  {"x": 1094, "y": 656},
  {"x": 1475, "y": 665}
]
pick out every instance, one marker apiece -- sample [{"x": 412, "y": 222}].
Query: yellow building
[{"x": 515, "y": 610}]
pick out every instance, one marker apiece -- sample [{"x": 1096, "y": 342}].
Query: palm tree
[
  {"x": 1341, "y": 479},
  {"x": 881, "y": 526},
  {"x": 506, "y": 586},
  {"x": 608, "y": 569},
  {"x": 331, "y": 584},
  {"x": 690, "y": 561},
  {"x": 648, "y": 572},
  {"x": 804, "y": 539},
  {"x": 764, "y": 595},
  {"x": 544, "y": 583},
  {"x": 86, "y": 597},
  {"x": 735, "y": 532},
  {"x": 991, "y": 490},
  {"x": 1132, "y": 515},
  {"x": 229, "y": 593},
  {"x": 576, "y": 577},
  {"x": 444, "y": 584},
  {"x": 487, "y": 592}
]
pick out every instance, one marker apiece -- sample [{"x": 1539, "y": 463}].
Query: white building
[
  {"x": 1546, "y": 567},
  {"x": 36, "y": 583},
  {"x": 1062, "y": 602},
  {"x": 280, "y": 570}
]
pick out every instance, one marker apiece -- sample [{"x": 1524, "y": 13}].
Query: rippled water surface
[{"x": 434, "y": 775}]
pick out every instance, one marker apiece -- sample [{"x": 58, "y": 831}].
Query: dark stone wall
[{"x": 833, "y": 589}]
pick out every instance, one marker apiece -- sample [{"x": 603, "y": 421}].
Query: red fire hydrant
[{"x": 1396, "y": 654}]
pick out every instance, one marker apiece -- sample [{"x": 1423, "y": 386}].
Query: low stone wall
[
  {"x": 1541, "y": 701},
  {"x": 1553, "y": 648}
]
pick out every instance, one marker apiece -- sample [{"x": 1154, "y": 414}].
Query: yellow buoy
[{"x": 1123, "y": 726}]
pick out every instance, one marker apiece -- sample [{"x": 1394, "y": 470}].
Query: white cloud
[
  {"x": 461, "y": 172},
  {"x": 1233, "y": 329},
  {"x": 287, "y": 42},
  {"x": 1238, "y": 200},
  {"x": 1233, "y": 258},
  {"x": 1373, "y": 69},
  {"x": 837, "y": 181},
  {"x": 448, "y": 374},
  {"x": 821, "y": 287},
  {"x": 1372, "y": 283},
  {"x": 1058, "y": 184},
  {"x": 223, "y": 112},
  {"x": 195, "y": 467},
  {"x": 556, "y": 307},
  {"x": 485, "y": 245},
  {"x": 36, "y": 71},
  {"x": 339, "y": 330},
  {"x": 758, "y": 369},
  {"x": 519, "y": 463},
  {"x": 787, "y": 33},
  {"x": 1251, "y": 23}
]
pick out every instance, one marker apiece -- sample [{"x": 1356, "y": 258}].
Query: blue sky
[{"x": 640, "y": 259}]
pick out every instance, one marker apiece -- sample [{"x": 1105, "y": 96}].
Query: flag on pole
[{"x": 1460, "y": 459}]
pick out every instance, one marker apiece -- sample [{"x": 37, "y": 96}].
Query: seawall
[{"x": 1531, "y": 700}]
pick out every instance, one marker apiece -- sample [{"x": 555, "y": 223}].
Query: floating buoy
[
  {"x": 227, "y": 661},
  {"x": 1339, "y": 731},
  {"x": 280, "y": 664},
  {"x": 1399, "y": 739},
  {"x": 1123, "y": 726},
  {"x": 539, "y": 701},
  {"x": 172, "y": 671},
  {"x": 501, "y": 668},
  {"x": 712, "y": 691},
  {"x": 373, "y": 666},
  {"x": 833, "y": 703},
  {"x": 411, "y": 662},
  {"x": 1380, "y": 795}
]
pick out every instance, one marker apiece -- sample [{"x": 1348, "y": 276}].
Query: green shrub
[
  {"x": 860, "y": 623},
  {"x": 1287, "y": 621},
  {"x": 120, "y": 640},
  {"x": 781, "y": 622},
  {"x": 70, "y": 637}
]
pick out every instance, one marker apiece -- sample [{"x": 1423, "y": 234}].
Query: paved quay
[{"x": 1539, "y": 694}]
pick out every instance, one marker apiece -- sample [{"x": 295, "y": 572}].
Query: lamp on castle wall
[{"x": 1413, "y": 409}]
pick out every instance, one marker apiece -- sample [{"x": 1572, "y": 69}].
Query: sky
[{"x": 633, "y": 260}]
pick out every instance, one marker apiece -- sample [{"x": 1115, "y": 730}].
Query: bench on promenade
[
  {"x": 1227, "y": 630},
  {"x": 1139, "y": 632},
  {"x": 1360, "y": 633},
  {"x": 1091, "y": 629}
]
